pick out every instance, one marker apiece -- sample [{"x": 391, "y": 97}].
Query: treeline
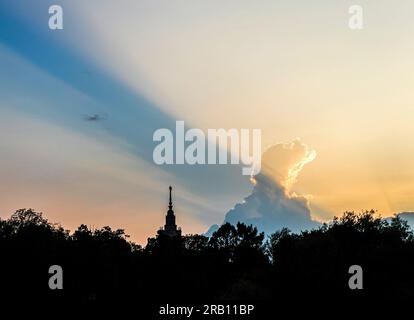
[{"x": 237, "y": 263}]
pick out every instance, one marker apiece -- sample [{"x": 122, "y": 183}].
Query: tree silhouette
[{"x": 101, "y": 266}]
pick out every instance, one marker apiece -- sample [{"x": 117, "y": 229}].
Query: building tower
[{"x": 170, "y": 228}]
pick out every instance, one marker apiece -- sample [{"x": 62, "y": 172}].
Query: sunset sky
[{"x": 293, "y": 69}]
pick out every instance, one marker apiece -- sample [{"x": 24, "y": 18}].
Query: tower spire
[
  {"x": 170, "y": 204},
  {"x": 170, "y": 228}
]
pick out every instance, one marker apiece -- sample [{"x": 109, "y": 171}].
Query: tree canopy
[{"x": 237, "y": 262}]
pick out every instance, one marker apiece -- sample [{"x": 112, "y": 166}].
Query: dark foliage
[{"x": 101, "y": 266}]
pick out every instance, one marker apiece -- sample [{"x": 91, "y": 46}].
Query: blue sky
[{"x": 45, "y": 80}]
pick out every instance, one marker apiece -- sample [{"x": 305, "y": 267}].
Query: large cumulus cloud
[{"x": 272, "y": 205}]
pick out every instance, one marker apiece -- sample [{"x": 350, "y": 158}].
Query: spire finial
[{"x": 170, "y": 204}]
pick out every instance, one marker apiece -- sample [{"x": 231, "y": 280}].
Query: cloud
[
  {"x": 272, "y": 205},
  {"x": 408, "y": 216}
]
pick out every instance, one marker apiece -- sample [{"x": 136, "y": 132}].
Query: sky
[{"x": 335, "y": 107}]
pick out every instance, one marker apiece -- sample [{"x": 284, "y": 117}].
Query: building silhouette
[{"x": 170, "y": 228}]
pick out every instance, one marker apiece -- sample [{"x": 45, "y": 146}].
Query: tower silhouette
[{"x": 170, "y": 228}]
